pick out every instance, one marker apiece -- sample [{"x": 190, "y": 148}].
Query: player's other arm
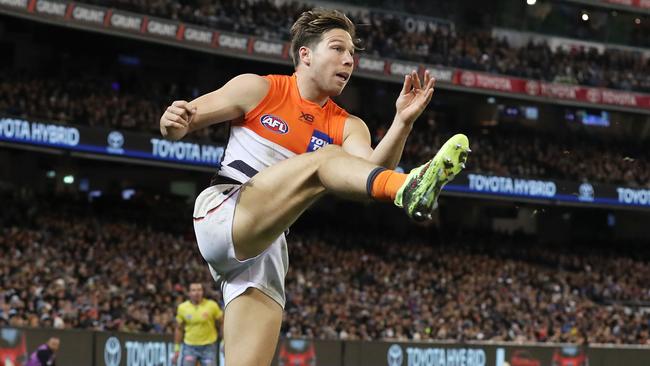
[
  {"x": 178, "y": 333},
  {"x": 237, "y": 97},
  {"x": 389, "y": 150},
  {"x": 411, "y": 102},
  {"x": 178, "y": 339}
]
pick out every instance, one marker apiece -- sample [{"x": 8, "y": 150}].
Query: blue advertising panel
[{"x": 105, "y": 141}]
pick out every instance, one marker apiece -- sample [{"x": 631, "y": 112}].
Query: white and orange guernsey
[{"x": 281, "y": 126}]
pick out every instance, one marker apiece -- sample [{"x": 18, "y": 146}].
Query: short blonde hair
[{"x": 308, "y": 30}]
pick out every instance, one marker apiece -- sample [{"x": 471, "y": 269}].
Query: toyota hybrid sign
[
  {"x": 87, "y": 348},
  {"x": 120, "y": 349},
  {"x": 422, "y": 355},
  {"x": 102, "y": 141}
]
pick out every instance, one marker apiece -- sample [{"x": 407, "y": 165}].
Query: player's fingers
[
  {"x": 427, "y": 78},
  {"x": 179, "y": 103},
  {"x": 416, "y": 80},
  {"x": 171, "y": 124},
  {"x": 430, "y": 85},
  {"x": 176, "y": 110},
  {"x": 189, "y": 109},
  {"x": 429, "y": 95},
  {"x": 191, "y": 112},
  {"x": 172, "y": 117},
  {"x": 408, "y": 83}
]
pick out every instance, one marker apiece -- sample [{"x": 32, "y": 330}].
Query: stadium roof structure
[{"x": 174, "y": 33}]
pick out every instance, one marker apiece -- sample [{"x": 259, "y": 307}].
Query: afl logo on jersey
[{"x": 274, "y": 124}]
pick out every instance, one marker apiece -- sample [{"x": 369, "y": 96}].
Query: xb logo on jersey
[
  {"x": 309, "y": 118},
  {"x": 274, "y": 124}
]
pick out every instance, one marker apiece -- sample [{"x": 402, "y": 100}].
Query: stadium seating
[{"x": 77, "y": 268}]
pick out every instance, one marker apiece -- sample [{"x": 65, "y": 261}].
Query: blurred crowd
[
  {"x": 77, "y": 267},
  {"x": 521, "y": 153},
  {"x": 491, "y": 288},
  {"x": 387, "y": 34},
  {"x": 89, "y": 101},
  {"x": 568, "y": 159},
  {"x": 67, "y": 264},
  {"x": 85, "y": 101},
  {"x": 480, "y": 50},
  {"x": 518, "y": 153},
  {"x": 507, "y": 150}
]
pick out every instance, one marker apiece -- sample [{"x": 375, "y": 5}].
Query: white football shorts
[{"x": 214, "y": 211}]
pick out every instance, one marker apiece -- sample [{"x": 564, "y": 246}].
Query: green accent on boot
[{"x": 419, "y": 193}]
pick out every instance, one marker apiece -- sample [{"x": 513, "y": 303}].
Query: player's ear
[{"x": 305, "y": 55}]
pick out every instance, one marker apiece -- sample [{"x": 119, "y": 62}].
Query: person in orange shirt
[{"x": 289, "y": 145}]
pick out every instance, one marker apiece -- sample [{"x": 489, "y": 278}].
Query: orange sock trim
[{"x": 386, "y": 185}]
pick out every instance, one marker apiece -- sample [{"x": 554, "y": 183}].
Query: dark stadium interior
[
  {"x": 124, "y": 84},
  {"x": 567, "y": 265}
]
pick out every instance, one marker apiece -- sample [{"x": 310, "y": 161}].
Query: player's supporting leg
[{"x": 251, "y": 328}]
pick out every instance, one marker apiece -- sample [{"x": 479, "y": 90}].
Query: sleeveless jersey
[{"x": 282, "y": 125}]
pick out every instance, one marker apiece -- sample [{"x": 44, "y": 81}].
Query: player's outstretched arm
[
  {"x": 238, "y": 96},
  {"x": 410, "y": 104}
]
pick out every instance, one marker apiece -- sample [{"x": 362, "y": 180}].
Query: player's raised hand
[
  {"x": 176, "y": 119},
  {"x": 414, "y": 97}
]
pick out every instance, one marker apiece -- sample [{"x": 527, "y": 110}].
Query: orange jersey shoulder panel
[{"x": 298, "y": 125}]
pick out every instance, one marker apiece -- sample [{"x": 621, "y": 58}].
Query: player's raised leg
[
  {"x": 275, "y": 197},
  {"x": 272, "y": 200}
]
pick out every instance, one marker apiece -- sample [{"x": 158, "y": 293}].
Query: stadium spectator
[
  {"x": 522, "y": 153},
  {"x": 86, "y": 101},
  {"x": 45, "y": 354},
  {"x": 99, "y": 275},
  {"x": 385, "y": 34}
]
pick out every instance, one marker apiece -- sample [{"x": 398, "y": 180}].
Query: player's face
[
  {"x": 196, "y": 292},
  {"x": 332, "y": 61}
]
